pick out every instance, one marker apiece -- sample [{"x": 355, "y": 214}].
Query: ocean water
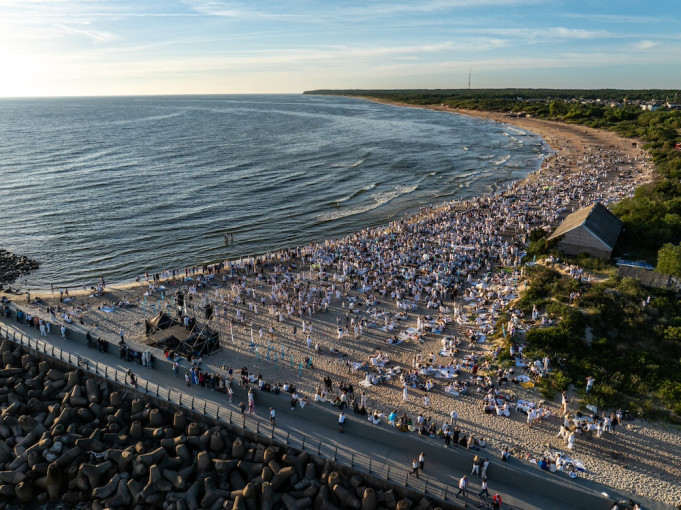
[{"x": 118, "y": 186}]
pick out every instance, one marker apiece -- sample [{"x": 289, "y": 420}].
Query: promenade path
[{"x": 378, "y": 449}]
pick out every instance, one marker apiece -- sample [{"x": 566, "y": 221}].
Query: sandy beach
[{"x": 346, "y": 278}]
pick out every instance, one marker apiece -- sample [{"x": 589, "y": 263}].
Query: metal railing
[{"x": 393, "y": 473}]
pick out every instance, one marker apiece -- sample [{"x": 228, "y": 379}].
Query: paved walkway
[{"x": 519, "y": 484}]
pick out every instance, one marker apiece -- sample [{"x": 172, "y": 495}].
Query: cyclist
[{"x": 496, "y": 501}]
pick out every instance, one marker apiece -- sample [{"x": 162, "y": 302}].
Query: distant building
[{"x": 592, "y": 230}]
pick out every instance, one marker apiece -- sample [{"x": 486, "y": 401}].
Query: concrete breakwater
[{"x": 67, "y": 436}]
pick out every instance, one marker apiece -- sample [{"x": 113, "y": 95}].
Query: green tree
[{"x": 669, "y": 259}]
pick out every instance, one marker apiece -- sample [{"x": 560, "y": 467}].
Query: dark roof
[{"x": 596, "y": 218}]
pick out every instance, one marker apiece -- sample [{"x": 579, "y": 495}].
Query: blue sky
[{"x": 120, "y": 47}]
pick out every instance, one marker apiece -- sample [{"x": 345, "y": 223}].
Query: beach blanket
[
  {"x": 379, "y": 362},
  {"x": 524, "y": 406},
  {"x": 108, "y": 309}
]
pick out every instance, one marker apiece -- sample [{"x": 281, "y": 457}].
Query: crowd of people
[{"x": 437, "y": 271}]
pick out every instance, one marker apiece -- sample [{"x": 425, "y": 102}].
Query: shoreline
[
  {"x": 42, "y": 285},
  {"x": 577, "y": 148}
]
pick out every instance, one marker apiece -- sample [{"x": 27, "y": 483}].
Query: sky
[{"x": 149, "y": 47}]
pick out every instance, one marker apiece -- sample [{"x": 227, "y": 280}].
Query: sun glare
[{"x": 20, "y": 75}]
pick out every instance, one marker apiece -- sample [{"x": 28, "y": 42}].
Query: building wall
[{"x": 580, "y": 240}]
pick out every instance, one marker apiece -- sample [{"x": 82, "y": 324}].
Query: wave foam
[
  {"x": 379, "y": 199},
  {"x": 502, "y": 160},
  {"x": 348, "y": 165}
]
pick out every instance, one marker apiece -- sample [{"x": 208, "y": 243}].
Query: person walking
[
  {"x": 476, "y": 466},
  {"x": 242, "y": 407},
  {"x": 422, "y": 460},
  {"x": 176, "y": 368},
  {"x": 272, "y": 416},
  {"x": 485, "y": 465},
  {"x": 589, "y": 384},
  {"x": 463, "y": 486},
  {"x": 131, "y": 376},
  {"x": 251, "y": 402},
  {"x": 188, "y": 378},
  {"x": 415, "y": 467},
  {"x": 563, "y": 403},
  {"x": 341, "y": 421},
  {"x": 484, "y": 490}
]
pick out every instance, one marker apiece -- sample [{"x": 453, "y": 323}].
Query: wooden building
[{"x": 592, "y": 230}]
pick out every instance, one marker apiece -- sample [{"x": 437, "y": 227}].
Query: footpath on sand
[{"x": 520, "y": 485}]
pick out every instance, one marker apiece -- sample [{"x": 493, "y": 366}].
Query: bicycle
[{"x": 487, "y": 502}]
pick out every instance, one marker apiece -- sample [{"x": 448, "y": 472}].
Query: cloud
[
  {"x": 245, "y": 11},
  {"x": 392, "y": 7},
  {"x": 97, "y": 36},
  {"x": 614, "y": 18},
  {"x": 540, "y": 34},
  {"x": 645, "y": 45}
]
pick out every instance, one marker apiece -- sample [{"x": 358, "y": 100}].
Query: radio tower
[{"x": 469, "y": 78}]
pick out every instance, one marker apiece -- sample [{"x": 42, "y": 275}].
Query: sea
[{"x": 115, "y": 187}]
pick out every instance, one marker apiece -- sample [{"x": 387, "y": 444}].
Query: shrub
[{"x": 669, "y": 259}]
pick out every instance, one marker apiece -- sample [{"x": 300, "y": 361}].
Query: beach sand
[{"x": 648, "y": 454}]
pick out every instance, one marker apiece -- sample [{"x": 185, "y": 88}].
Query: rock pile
[
  {"x": 13, "y": 266},
  {"x": 66, "y": 437}
]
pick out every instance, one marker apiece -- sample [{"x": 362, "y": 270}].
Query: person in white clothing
[
  {"x": 341, "y": 421},
  {"x": 453, "y": 416},
  {"x": 485, "y": 465}
]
